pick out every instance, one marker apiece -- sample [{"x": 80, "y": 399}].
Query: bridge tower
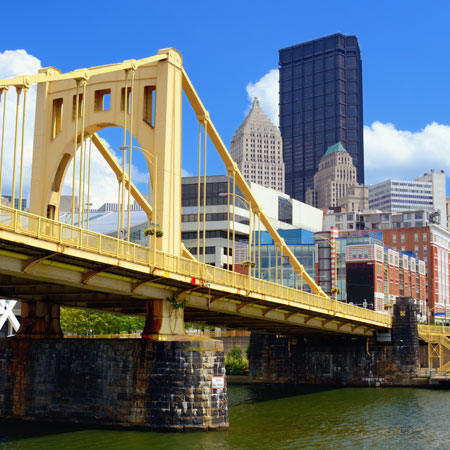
[{"x": 150, "y": 112}]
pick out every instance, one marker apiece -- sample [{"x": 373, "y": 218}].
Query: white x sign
[{"x": 6, "y": 313}]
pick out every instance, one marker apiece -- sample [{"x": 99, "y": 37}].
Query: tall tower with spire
[{"x": 258, "y": 150}]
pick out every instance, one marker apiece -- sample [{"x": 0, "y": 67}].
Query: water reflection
[{"x": 274, "y": 417}]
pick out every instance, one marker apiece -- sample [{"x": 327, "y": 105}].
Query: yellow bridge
[{"x": 47, "y": 263}]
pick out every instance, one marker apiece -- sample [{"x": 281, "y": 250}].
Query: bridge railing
[
  {"x": 65, "y": 234},
  {"x": 434, "y": 329}
]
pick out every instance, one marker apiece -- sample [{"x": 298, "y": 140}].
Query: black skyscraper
[{"x": 320, "y": 104}]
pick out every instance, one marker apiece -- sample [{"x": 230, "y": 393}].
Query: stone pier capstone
[{"x": 144, "y": 384}]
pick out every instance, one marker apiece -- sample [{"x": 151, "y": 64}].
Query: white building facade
[{"x": 426, "y": 192}]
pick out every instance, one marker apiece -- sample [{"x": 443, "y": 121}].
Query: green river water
[{"x": 280, "y": 417}]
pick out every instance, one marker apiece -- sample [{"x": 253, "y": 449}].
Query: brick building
[{"x": 432, "y": 244}]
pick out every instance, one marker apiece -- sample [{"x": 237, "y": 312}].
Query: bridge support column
[
  {"x": 341, "y": 359},
  {"x": 119, "y": 383},
  {"x": 405, "y": 339},
  {"x": 162, "y": 320},
  {"x": 40, "y": 320},
  {"x": 165, "y": 381}
]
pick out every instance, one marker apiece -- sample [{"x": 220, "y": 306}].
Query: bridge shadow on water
[{"x": 261, "y": 392}]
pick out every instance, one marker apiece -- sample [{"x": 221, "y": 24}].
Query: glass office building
[
  {"x": 276, "y": 268},
  {"x": 304, "y": 244},
  {"x": 320, "y": 104}
]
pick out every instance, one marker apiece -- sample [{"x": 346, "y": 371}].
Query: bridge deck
[{"x": 43, "y": 259}]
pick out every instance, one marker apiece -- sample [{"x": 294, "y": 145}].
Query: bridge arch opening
[{"x": 102, "y": 166}]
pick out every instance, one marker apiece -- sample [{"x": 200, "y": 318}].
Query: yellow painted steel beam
[
  {"x": 185, "y": 253},
  {"x": 79, "y": 74},
  {"x": 109, "y": 158},
  {"x": 231, "y": 166},
  {"x": 73, "y": 275},
  {"x": 48, "y": 235}
]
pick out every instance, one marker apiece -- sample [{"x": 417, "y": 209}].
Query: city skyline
[
  {"x": 407, "y": 129},
  {"x": 320, "y": 104}
]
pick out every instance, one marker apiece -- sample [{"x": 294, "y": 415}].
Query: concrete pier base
[
  {"x": 341, "y": 360},
  {"x": 145, "y": 384}
]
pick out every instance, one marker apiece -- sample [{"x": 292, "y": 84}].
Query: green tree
[
  {"x": 84, "y": 321},
  {"x": 235, "y": 363}
]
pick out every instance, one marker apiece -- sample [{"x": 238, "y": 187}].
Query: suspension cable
[
  {"x": 4, "y": 91},
  {"x": 13, "y": 190},
  {"x": 228, "y": 220},
  {"x": 82, "y": 160},
  {"x": 89, "y": 184},
  {"x": 204, "y": 191},
  {"x": 276, "y": 263},
  {"x": 198, "y": 186},
  {"x": 75, "y": 153},
  {"x": 254, "y": 242},
  {"x": 25, "y": 91},
  {"x": 125, "y": 120},
  {"x": 118, "y": 208},
  {"x": 233, "y": 259},
  {"x": 249, "y": 265},
  {"x": 130, "y": 152},
  {"x": 259, "y": 244}
]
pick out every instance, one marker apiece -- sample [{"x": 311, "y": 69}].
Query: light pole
[
  {"x": 247, "y": 205},
  {"x": 333, "y": 245}
]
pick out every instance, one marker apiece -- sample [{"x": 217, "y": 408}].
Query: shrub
[{"x": 235, "y": 363}]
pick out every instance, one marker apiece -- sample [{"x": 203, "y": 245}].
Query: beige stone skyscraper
[
  {"x": 258, "y": 150},
  {"x": 336, "y": 173}
]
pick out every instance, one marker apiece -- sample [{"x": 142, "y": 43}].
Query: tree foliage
[
  {"x": 83, "y": 321},
  {"x": 235, "y": 363}
]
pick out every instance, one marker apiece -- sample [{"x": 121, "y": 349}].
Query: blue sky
[{"x": 225, "y": 46}]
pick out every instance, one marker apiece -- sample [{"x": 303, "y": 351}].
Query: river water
[{"x": 280, "y": 417}]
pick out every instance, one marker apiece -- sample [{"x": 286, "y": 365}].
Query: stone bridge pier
[
  {"x": 339, "y": 359},
  {"x": 148, "y": 383}
]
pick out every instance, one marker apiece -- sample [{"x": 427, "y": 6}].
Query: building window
[
  {"x": 424, "y": 237},
  {"x": 416, "y": 249},
  {"x": 394, "y": 238},
  {"x": 403, "y": 248},
  {"x": 425, "y": 249},
  {"x": 402, "y": 238},
  {"x": 416, "y": 237}
]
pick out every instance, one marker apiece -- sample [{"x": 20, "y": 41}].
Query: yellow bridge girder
[
  {"x": 58, "y": 135},
  {"x": 76, "y": 267}
]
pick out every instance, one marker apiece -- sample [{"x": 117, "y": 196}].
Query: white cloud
[
  {"x": 389, "y": 152},
  {"x": 14, "y": 63},
  {"x": 402, "y": 154},
  {"x": 266, "y": 89},
  {"x": 18, "y": 62},
  {"x": 186, "y": 173}
]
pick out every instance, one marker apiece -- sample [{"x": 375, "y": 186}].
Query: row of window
[
  {"x": 187, "y": 235},
  {"x": 416, "y": 237}
]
